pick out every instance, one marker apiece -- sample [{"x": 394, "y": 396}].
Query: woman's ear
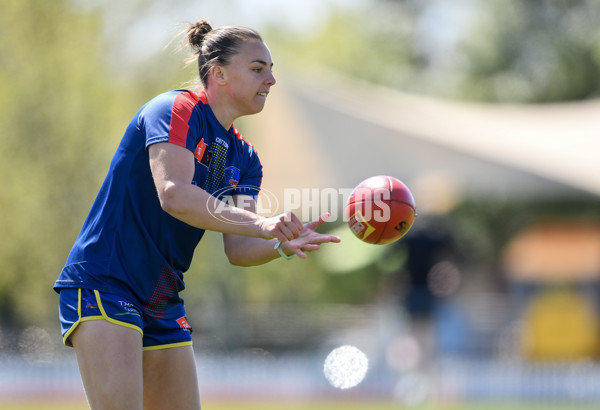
[{"x": 219, "y": 74}]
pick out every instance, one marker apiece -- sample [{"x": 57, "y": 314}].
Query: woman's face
[{"x": 250, "y": 77}]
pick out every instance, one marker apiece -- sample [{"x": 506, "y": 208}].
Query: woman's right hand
[{"x": 284, "y": 227}]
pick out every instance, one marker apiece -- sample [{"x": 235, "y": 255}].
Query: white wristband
[{"x": 281, "y": 252}]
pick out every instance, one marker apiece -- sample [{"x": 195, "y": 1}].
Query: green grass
[{"x": 324, "y": 405}]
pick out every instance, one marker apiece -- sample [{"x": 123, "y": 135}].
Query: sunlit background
[{"x": 486, "y": 109}]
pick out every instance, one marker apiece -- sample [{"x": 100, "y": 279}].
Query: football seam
[{"x": 392, "y": 200}]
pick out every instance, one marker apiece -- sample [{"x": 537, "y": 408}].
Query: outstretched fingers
[
  {"x": 319, "y": 237},
  {"x": 300, "y": 238},
  {"x": 313, "y": 243},
  {"x": 313, "y": 225},
  {"x": 310, "y": 240},
  {"x": 330, "y": 238}
]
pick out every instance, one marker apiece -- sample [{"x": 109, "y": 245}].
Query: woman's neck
[{"x": 220, "y": 108}]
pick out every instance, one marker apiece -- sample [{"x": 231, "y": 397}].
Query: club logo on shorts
[
  {"x": 128, "y": 308},
  {"x": 183, "y": 323}
]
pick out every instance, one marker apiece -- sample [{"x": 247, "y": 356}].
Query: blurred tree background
[
  {"x": 68, "y": 88},
  {"x": 60, "y": 119},
  {"x": 501, "y": 51}
]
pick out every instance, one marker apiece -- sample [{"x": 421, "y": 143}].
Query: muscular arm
[
  {"x": 247, "y": 251},
  {"x": 173, "y": 170}
]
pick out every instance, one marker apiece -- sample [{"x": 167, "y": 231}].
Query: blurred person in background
[{"x": 179, "y": 162}]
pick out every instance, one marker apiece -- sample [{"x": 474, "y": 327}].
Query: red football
[{"x": 380, "y": 210}]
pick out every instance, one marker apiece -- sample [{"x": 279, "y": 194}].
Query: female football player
[{"x": 180, "y": 169}]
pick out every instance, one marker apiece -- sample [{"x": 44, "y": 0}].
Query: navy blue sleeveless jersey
[{"x": 128, "y": 245}]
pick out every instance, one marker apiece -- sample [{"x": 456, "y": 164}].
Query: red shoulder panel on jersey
[
  {"x": 201, "y": 97},
  {"x": 181, "y": 111}
]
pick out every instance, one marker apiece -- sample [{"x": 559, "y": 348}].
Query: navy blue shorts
[{"x": 82, "y": 305}]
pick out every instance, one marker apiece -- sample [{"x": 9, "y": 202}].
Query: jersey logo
[
  {"x": 233, "y": 175},
  {"x": 202, "y": 154}
]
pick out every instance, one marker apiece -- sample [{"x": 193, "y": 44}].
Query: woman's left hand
[{"x": 309, "y": 239}]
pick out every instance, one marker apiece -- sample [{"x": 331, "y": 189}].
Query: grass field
[{"x": 329, "y": 405}]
